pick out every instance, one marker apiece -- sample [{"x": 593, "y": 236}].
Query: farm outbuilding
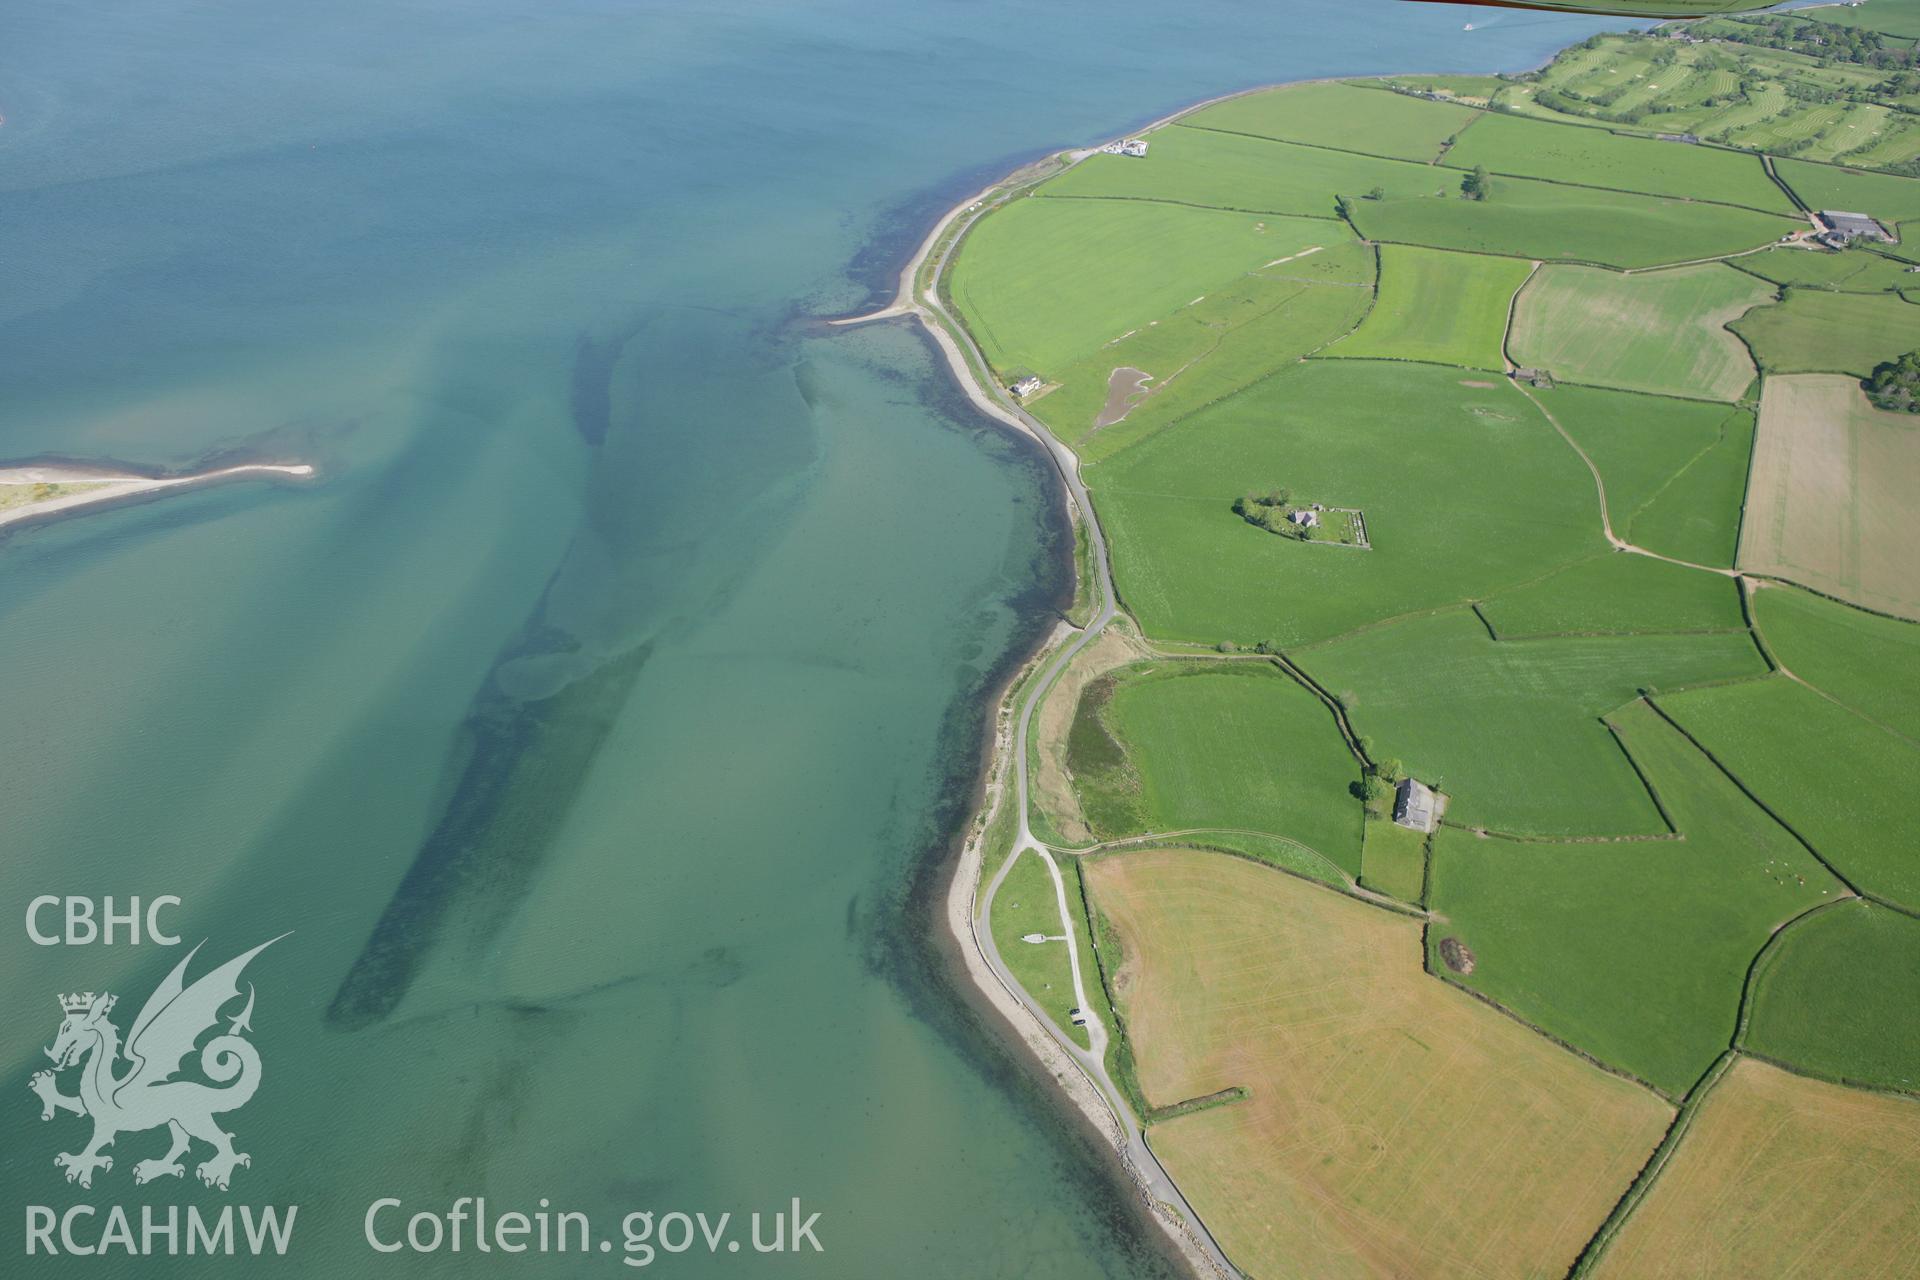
[
  {"x": 1414, "y": 805},
  {"x": 1853, "y": 226}
]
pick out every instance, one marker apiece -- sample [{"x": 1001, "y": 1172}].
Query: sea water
[{"x": 595, "y": 727}]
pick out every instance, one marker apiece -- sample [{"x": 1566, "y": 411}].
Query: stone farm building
[
  {"x": 1842, "y": 227},
  {"x": 1414, "y": 805}
]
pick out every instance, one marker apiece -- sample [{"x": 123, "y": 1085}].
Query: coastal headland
[{"x": 1354, "y": 879}]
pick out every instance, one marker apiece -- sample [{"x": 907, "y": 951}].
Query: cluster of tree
[
  {"x": 1594, "y": 107},
  {"x": 1261, "y": 647},
  {"x": 1831, "y": 44},
  {"x": 1898, "y": 85},
  {"x": 1375, "y": 788},
  {"x": 1269, "y": 511},
  {"x": 1477, "y": 185},
  {"x": 1895, "y": 384}
]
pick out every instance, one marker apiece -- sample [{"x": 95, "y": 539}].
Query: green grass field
[
  {"x": 1342, "y": 116},
  {"x": 1816, "y": 331},
  {"x": 1661, "y": 332},
  {"x": 1512, "y": 729},
  {"x": 1524, "y": 218},
  {"x": 1026, "y": 905},
  {"x": 1045, "y": 282},
  {"x": 1870, "y": 663},
  {"x": 1838, "y": 780},
  {"x": 1885, "y": 196},
  {"x": 1617, "y": 593},
  {"x": 1393, "y": 860},
  {"x": 1676, "y": 470},
  {"x": 1636, "y": 952},
  {"x": 1447, "y": 308},
  {"x": 1851, "y": 271},
  {"x": 1480, "y": 494},
  {"x": 1596, "y": 158},
  {"x": 1238, "y": 746},
  {"x": 1240, "y": 333},
  {"x": 1835, "y": 997},
  {"x": 1234, "y": 171}
]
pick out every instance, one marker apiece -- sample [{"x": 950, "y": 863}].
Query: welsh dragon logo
[{"x": 145, "y": 1096}]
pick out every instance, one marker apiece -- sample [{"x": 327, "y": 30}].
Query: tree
[
  {"x": 1390, "y": 769},
  {"x": 1476, "y": 185},
  {"x": 1378, "y": 193},
  {"x": 1895, "y": 384}
]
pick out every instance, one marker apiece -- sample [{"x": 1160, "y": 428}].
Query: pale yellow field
[
  {"x": 1658, "y": 331},
  {"x": 1830, "y": 501},
  {"x": 1396, "y": 1126},
  {"x": 1781, "y": 1176}
]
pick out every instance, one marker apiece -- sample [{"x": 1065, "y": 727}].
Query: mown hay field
[
  {"x": 1635, "y": 951},
  {"x": 1240, "y": 746},
  {"x": 1675, "y": 470},
  {"x": 1511, "y": 729},
  {"x": 1394, "y": 1126},
  {"x": 1465, "y": 488},
  {"x": 1617, "y": 593},
  {"x": 1597, "y": 158},
  {"x": 1445, "y": 308},
  {"x": 1045, "y": 282},
  {"x": 1525, "y": 218},
  {"x": 1830, "y": 499},
  {"x": 1821, "y": 331},
  {"x": 1835, "y": 996},
  {"x": 1780, "y": 1176},
  {"x": 1662, "y": 331},
  {"x": 1345, "y": 117},
  {"x": 1833, "y": 776},
  {"x": 1870, "y": 663}
]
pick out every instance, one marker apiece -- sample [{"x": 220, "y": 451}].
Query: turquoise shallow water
[{"x": 598, "y": 721}]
